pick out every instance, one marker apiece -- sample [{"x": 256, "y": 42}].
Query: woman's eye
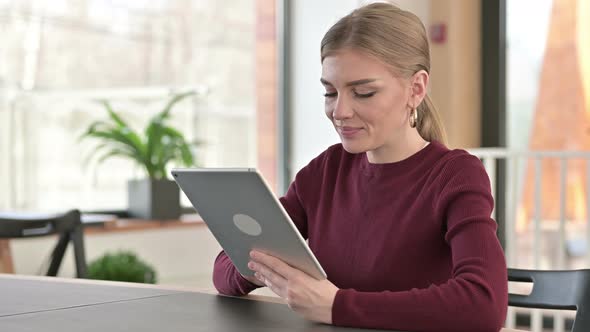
[
  {"x": 330, "y": 94},
  {"x": 365, "y": 95}
]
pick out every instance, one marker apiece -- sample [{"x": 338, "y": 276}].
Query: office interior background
[{"x": 511, "y": 79}]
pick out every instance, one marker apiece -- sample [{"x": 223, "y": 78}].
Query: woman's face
[{"x": 368, "y": 106}]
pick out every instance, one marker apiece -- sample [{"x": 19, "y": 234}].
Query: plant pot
[{"x": 153, "y": 199}]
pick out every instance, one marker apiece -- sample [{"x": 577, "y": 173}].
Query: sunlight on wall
[
  {"x": 562, "y": 115},
  {"x": 584, "y": 49}
]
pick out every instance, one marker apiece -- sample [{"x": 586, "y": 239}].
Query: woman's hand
[
  {"x": 311, "y": 298},
  {"x": 253, "y": 280}
]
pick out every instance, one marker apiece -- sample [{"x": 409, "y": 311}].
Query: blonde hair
[{"x": 396, "y": 37}]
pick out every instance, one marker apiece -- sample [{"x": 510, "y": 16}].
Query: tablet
[{"x": 243, "y": 214}]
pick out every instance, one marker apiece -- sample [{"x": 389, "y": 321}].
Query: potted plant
[
  {"x": 121, "y": 266},
  {"x": 154, "y": 197}
]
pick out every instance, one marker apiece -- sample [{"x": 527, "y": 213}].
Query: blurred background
[{"x": 511, "y": 79}]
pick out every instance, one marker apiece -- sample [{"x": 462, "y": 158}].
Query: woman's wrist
[{"x": 252, "y": 280}]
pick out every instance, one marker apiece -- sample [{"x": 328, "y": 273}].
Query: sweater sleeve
[
  {"x": 226, "y": 278},
  {"x": 294, "y": 206},
  {"x": 475, "y": 296}
]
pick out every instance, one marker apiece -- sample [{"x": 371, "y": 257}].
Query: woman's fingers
[{"x": 270, "y": 278}]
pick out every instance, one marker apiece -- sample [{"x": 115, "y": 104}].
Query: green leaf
[
  {"x": 176, "y": 147},
  {"x": 118, "y": 120},
  {"x": 164, "y": 114},
  {"x": 124, "y": 129},
  {"x": 160, "y": 145},
  {"x": 153, "y": 144},
  {"x": 155, "y": 134},
  {"x": 172, "y": 132},
  {"x": 114, "y": 153},
  {"x": 187, "y": 155},
  {"x": 93, "y": 127},
  {"x": 107, "y": 145}
]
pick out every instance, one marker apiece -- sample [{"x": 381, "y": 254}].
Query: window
[
  {"x": 57, "y": 60},
  {"x": 525, "y": 52},
  {"x": 548, "y": 94}
]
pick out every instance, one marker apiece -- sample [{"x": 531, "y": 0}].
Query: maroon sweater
[{"x": 410, "y": 244}]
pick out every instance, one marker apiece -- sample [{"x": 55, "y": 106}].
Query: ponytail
[{"x": 429, "y": 123}]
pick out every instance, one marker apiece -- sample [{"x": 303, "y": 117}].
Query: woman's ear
[{"x": 418, "y": 86}]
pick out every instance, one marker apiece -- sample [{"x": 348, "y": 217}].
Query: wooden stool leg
[{"x": 6, "y": 265}]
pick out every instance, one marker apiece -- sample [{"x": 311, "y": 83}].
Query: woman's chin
[{"x": 351, "y": 147}]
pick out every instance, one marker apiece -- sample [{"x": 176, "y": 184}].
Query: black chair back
[
  {"x": 67, "y": 225},
  {"x": 15, "y": 225},
  {"x": 561, "y": 290}
]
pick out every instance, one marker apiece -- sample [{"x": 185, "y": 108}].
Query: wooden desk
[{"x": 54, "y": 304}]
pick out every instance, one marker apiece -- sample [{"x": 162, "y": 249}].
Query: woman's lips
[{"x": 349, "y": 132}]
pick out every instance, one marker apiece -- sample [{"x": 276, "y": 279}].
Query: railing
[{"x": 515, "y": 163}]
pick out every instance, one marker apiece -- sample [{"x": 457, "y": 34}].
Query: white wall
[
  {"x": 419, "y": 7},
  {"x": 310, "y": 19},
  {"x": 311, "y": 130}
]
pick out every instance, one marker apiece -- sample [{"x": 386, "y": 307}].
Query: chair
[
  {"x": 68, "y": 225},
  {"x": 561, "y": 290}
]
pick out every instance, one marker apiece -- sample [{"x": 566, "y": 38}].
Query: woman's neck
[{"x": 398, "y": 149}]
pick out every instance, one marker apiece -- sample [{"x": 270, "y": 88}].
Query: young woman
[{"x": 400, "y": 223}]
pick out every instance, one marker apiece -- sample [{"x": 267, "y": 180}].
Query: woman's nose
[{"x": 342, "y": 109}]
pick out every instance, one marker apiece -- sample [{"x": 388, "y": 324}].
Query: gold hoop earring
[{"x": 414, "y": 118}]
